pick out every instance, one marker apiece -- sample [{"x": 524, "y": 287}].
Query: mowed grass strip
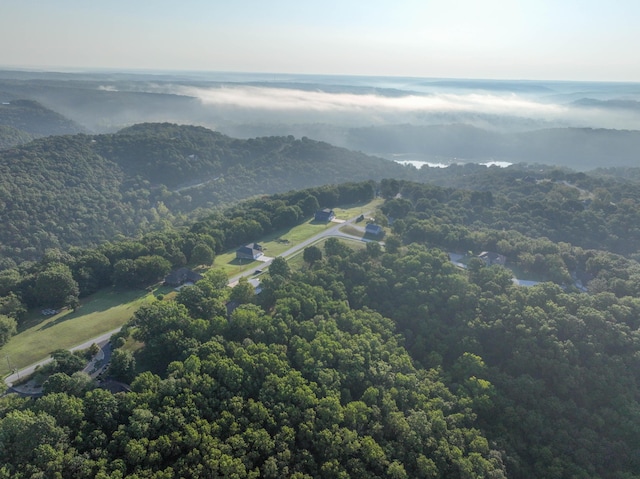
[
  {"x": 281, "y": 241},
  {"x": 297, "y": 263},
  {"x": 106, "y": 310},
  {"x": 98, "y": 314}
]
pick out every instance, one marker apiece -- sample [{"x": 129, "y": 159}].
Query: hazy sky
[{"x": 522, "y": 39}]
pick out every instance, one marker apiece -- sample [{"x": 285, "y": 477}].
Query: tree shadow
[
  {"x": 241, "y": 262},
  {"x": 63, "y": 317},
  {"x": 101, "y": 301}
]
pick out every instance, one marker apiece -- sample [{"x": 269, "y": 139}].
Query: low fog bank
[{"x": 567, "y": 123}]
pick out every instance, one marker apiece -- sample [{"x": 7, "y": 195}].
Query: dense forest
[
  {"x": 10, "y": 136},
  {"x": 577, "y": 148},
  {"x": 82, "y": 190},
  {"x": 382, "y": 361},
  {"x": 31, "y": 117}
]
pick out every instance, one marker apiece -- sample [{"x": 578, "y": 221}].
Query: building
[
  {"x": 491, "y": 258},
  {"x": 251, "y": 251},
  {"x": 182, "y": 276},
  {"x": 373, "y": 230},
  {"x": 324, "y": 215}
]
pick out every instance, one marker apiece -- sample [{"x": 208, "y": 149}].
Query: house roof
[
  {"x": 324, "y": 213},
  {"x": 181, "y": 275},
  {"x": 253, "y": 250},
  {"x": 374, "y": 229}
]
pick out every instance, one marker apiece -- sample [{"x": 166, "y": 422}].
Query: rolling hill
[{"x": 83, "y": 189}]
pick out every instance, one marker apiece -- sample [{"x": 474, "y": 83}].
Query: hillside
[
  {"x": 10, "y": 137},
  {"x": 366, "y": 362},
  {"x": 34, "y": 118},
  {"x": 577, "y": 148},
  {"x": 81, "y": 190}
]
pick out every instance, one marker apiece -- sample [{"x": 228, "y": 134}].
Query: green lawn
[
  {"x": 296, "y": 262},
  {"x": 352, "y": 230},
  {"x": 40, "y": 335},
  {"x": 279, "y": 242},
  {"x": 104, "y": 311}
]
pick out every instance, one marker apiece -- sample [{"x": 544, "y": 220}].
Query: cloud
[
  {"x": 508, "y": 111},
  {"x": 286, "y": 99}
]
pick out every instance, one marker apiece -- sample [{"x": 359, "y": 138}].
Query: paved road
[
  {"x": 103, "y": 339},
  {"x": 332, "y": 231}
]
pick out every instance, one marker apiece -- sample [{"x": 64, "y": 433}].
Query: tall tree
[
  {"x": 280, "y": 267},
  {"x": 55, "y": 286},
  {"x": 202, "y": 254},
  {"x": 7, "y": 329},
  {"x": 312, "y": 254}
]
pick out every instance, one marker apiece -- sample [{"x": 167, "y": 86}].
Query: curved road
[
  {"x": 332, "y": 231},
  {"x": 103, "y": 339}
]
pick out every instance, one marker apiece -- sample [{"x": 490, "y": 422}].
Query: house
[
  {"x": 251, "y": 251},
  {"x": 324, "y": 215},
  {"x": 491, "y": 258},
  {"x": 373, "y": 230},
  {"x": 182, "y": 276}
]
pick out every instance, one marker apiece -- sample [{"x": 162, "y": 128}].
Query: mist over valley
[{"x": 581, "y": 125}]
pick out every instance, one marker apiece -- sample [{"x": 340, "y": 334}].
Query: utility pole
[{"x": 14, "y": 370}]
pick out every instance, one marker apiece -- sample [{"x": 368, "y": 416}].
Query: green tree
[
  {"x": 8, "y": 328},
  {"x": 217, "y": 278},
  {"x": 55, "y": 286},
  {"x": 67, "y": 362},
  {"x": 202, "y": 254},
  {"x": 11, "y": 306},
  {"x": 150, "y": 269},
  {"x": 280, "y": 267},
  {"x": 312, "y": 254},
  {"x": 243, "y": 292},
  {"x": 122, "y": 365}
]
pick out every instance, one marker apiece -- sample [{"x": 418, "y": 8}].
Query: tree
[
  {"x": 217, "y": 278},
  {"x": 312, "y": 254},
  {"x": 150, "y": 269},
  {"x": 374, "y": 249},
  {"x": 243, "y": 292},
  {"x": 122, "y": 365},
  {"x": 200, "y": 302},
  {"x": 335, "y": 247},
  {"x": 75, "y": 385},
  {"x": 309, "y": 205},
  {"x": 280, "y": 267},
  {"x": 392, "y": 244},
  {"x": 55, "y": 285},
  {"x": 11, "y": 306},
  {"x": 8, "y": 328},
  {"x": 202, "y": 254},
  {"x": 67, "y": 362}
]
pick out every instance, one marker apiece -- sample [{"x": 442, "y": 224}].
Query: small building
[
  {"x": 182, "y": 276},
  {"x": 324, "y": 215},
  {"x": 251, "y": 251},
  {"x": 373, "y": 230},
  {"x": 491, "y": 258}
]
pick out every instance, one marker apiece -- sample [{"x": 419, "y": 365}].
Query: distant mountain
[
  {"x": 576, "y": 148},
  {"x": 10, "y": 137},
  {"x": 100, "y": 105},
  {"x": 608, "y": 104},
  {"x": 84, "y": 189},
  {"x": 32, "y": 117}
]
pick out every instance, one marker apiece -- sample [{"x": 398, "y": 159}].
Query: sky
[{"x": 587, "y": 40}]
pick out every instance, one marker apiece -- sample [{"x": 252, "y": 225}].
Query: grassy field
[
  {"x": 279, "y": 242},
  {"x": 296, "y": 262},
  {"x": 40, "y": 335},
  {"x": 106, "y": 310}
]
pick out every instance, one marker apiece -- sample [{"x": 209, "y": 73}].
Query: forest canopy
[{"x": 367, "y": 362}]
